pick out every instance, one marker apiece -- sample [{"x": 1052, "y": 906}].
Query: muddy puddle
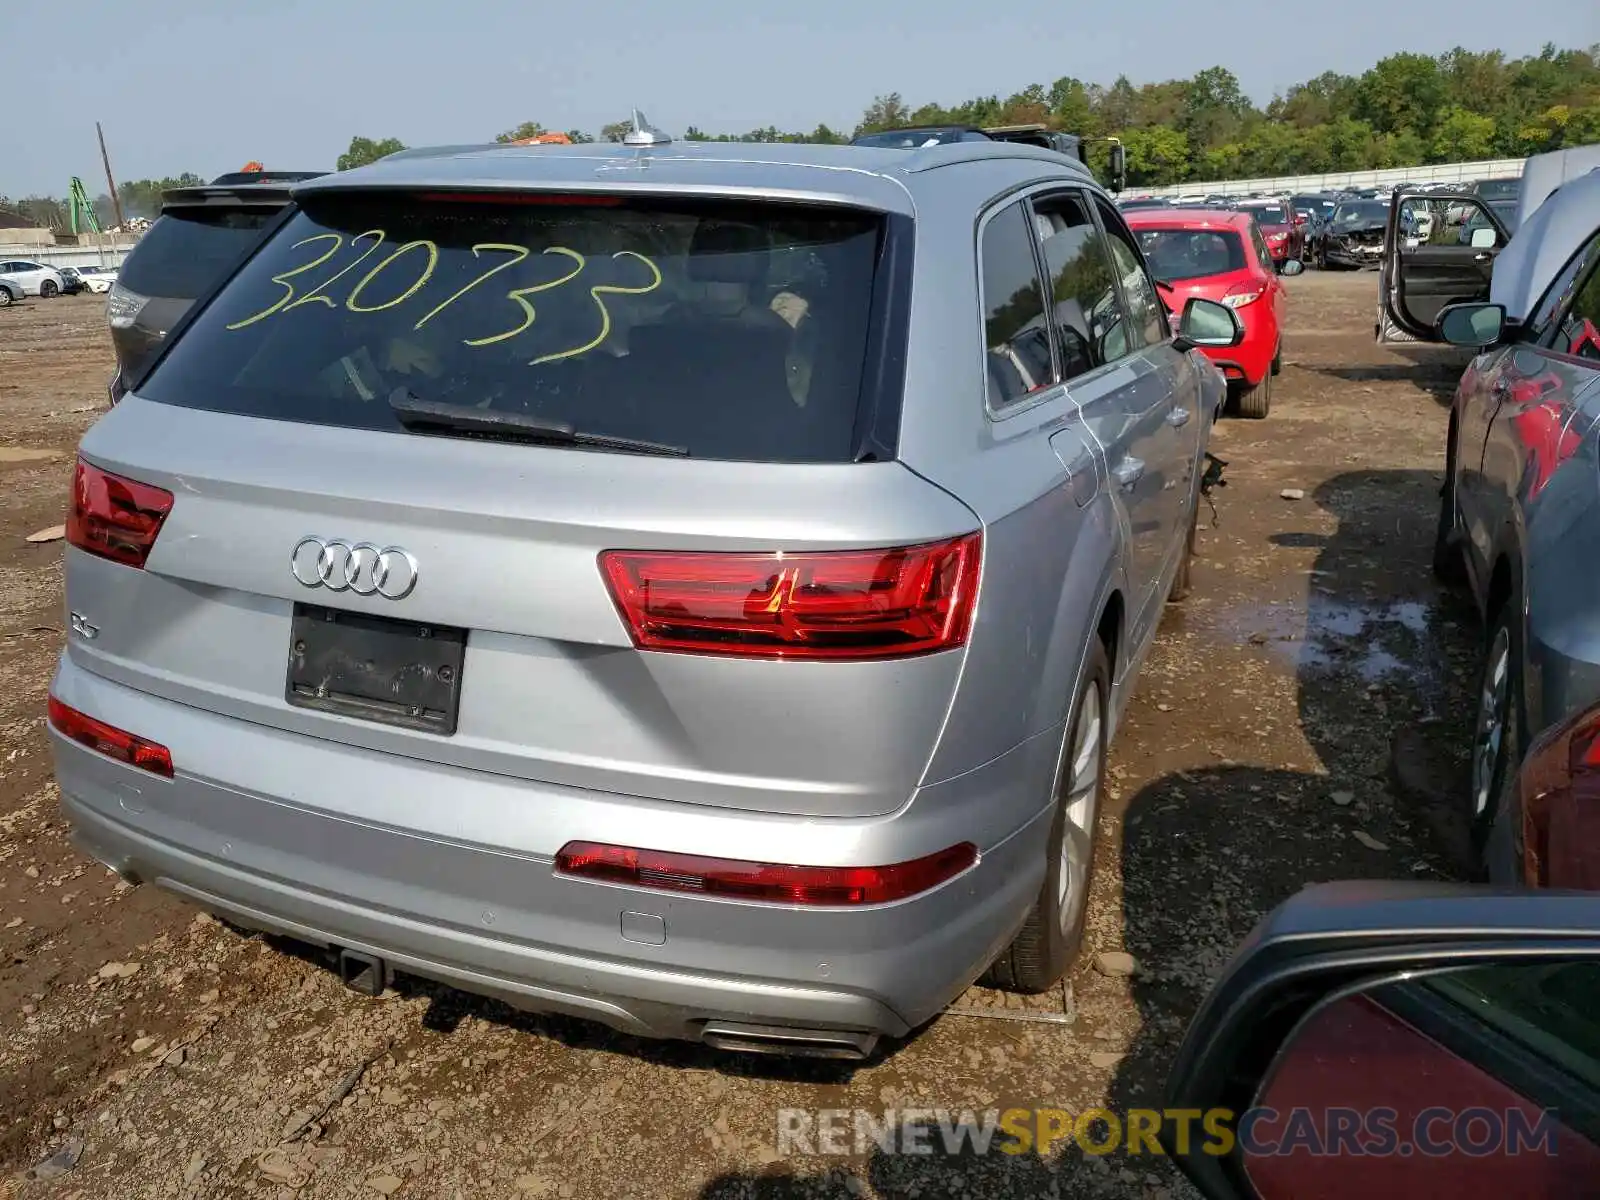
[{"x": 1375, "y": 641}]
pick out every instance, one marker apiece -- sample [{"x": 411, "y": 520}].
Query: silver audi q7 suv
[{"x": 690, "y": 587}]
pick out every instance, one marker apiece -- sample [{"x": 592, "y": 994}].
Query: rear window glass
[
  {"x": 733, "y": 331},
  {"x": 1268, "y": 212},
  {"x": 1178, "y": 254},
  {"x": 1499, "y": 189},
  {"x": 184, "y": 253}
]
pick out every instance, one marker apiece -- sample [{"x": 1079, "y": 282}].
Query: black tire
[
  {"x": 1497, "y": 738},
  {"x": 1254, "y": 402},
  {"x": 1183, "y": 581},
  {"x": 47, "y": 289},
  {"x": 1277, "y": 360},
  {"x": 1049, "y": 940},
  {"x": 5, "y": 297},
  {"x": 1449, "y": 566}
]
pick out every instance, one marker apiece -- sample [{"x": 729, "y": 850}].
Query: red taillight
[
  {"x": 1559, "y": 788},
  {"x": 1244, "y": 293},
  {"x": 853, "y": 604},
  {"x": 110, "y": 741},
  {"x": 1583, "y": 751},
  {"x": 773, "y": 882},
  {"x": 113, "y": 517}
]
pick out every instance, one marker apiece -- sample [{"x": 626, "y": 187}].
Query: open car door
[{"x": 1439, "y": 249}]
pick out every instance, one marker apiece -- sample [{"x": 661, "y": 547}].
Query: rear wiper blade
[{"x": 425, "y": 416}]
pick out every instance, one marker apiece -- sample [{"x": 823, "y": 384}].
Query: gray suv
[{"x": 691, "y": 588}]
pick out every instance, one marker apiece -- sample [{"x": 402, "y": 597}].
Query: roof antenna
[{"x": 643, "y": 133}]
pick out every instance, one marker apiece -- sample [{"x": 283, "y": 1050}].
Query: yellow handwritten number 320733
[{"x": 426, "y": 255}]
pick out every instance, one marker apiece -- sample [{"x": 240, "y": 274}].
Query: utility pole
[{"x": 116, "y": 204}]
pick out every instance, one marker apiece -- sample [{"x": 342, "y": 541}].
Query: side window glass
[
  {"x": 1542, "y": 326},
  {"x": 1263, "y": 255},
  {"x": 1466, "y": 223},
  {"x": 1546, "y": 1008},
  {"x": 1016, "y": 337},
  {"x": 1090, "y": 326},
  {"x": 1146, "y": 316},
  {"x": 1580, "y": 328}
]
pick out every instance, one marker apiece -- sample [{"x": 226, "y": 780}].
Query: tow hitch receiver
[{"x": 363, "y": 973}]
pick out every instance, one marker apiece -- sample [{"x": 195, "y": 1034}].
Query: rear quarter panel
[
  {"x": 1048, "y": 564},
  {"x": 1556, "y": 526}
]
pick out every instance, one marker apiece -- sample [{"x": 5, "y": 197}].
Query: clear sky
[{"x": 207, "y": 85}]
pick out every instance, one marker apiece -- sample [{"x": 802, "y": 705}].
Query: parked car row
[
  {"x": 23, "y": 277},
  {"x": 1344, "y": 229}
]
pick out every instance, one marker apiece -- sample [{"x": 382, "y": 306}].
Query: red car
[
  {"x": 1219, "y": 254},
  {"x": 1284, "y": 234}
]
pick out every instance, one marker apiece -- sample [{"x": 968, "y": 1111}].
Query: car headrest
[{"x": 728, "y": 252}]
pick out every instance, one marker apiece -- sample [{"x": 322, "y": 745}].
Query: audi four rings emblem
[{"x": 359, "y": 567}]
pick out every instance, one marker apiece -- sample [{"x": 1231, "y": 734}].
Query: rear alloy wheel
[
  {"x": 1254, "y": 402},
  {"x": 5, "y": 296},
  {"x": 1050, "y": 938},
  {"x": 1496, "y": 742},
  {"x": 47, "y": 289}
]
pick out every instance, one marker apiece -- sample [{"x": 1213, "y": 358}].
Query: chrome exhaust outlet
[{"x": 787, "y": 1039}]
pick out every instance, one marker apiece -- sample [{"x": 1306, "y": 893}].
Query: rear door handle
[
  {"x": 1128, "y": 472},
  {"x": 1483, "y": 257},
  {"x": 1178, "y": 417}
]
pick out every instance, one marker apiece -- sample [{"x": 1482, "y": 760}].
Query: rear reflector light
[
  {"x": 852, "y": 604},
  {"x": 773, "y": 882},
  {"x": 113, "y": 517},
  {"x": 110, "y": 741},
  {"x": 123, "y": 306}
]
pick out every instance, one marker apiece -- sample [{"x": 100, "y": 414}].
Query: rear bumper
[
  {"x": 495, "y": 919},
  {"x": 1251, "y": 359}
]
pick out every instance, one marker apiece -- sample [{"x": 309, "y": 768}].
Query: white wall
[
  {"x": 1494, "y": 168},
  {"x": 69, "y": 256}
]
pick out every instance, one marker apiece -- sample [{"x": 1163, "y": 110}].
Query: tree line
[{"x": 1406, "y": 110}]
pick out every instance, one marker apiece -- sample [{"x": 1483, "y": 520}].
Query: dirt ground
[{"x": 182, "y": 1055}]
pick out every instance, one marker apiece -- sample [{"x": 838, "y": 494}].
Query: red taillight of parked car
[
  {"x": 109, "y": 740},
  {"x": 852, "y": 604},
  {"x": 113, "y": 517},
  {"x": 1559, "y": 790},
  {"x": 775, "y": 883},
  {"x": 1244, "y": 293}
]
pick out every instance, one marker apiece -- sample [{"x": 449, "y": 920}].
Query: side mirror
[
  {"x": 1394, "y": 1039},
  {"x": 1207, "y": 323},
  {"x": 1485, "y": 238},
  {"x": 1119, "y": 167},
  {"x": 1292, "y": 267},
  {"x": 1475, "y": 326}
]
